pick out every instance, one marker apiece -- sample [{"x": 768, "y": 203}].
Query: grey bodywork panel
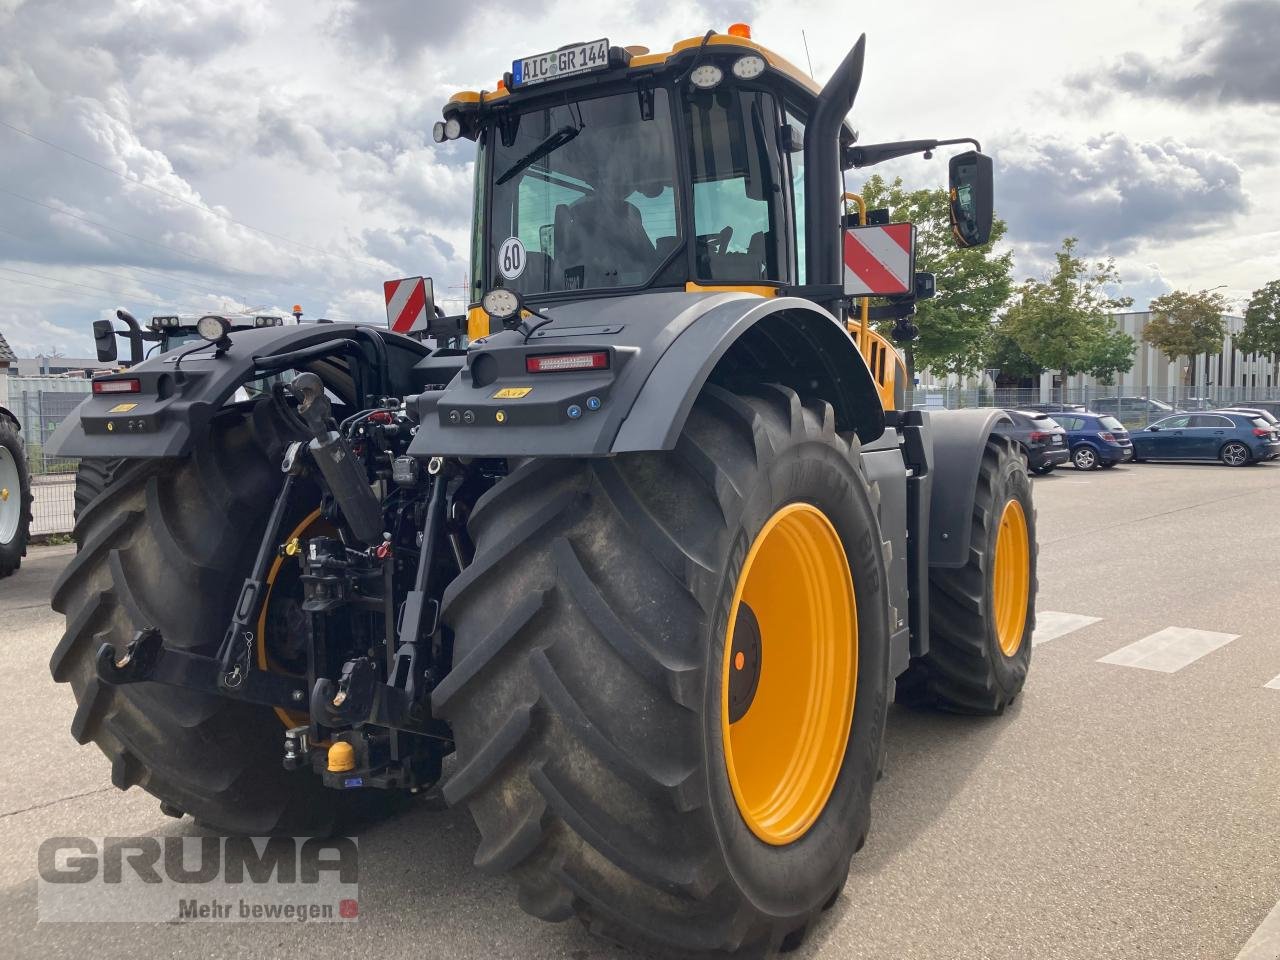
[
  {"x": 662, "y": 347},
  {"x": 885, "y": 467},
  {"x": 182, "y": 390},
  {"x": 959, "y": 438}
]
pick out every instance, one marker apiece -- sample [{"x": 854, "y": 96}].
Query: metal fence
[
  {"x": 1134, "y": 406},
  {"x": 39, "y": 411}
]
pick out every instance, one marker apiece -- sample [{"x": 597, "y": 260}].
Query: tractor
[
  {"x": 15, "y": 494},
  {"x": 630, "y": 558}
]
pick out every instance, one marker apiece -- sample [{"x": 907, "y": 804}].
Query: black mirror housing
[
  {"x": 104, "y": 339},
  {"x": 971, "y": 193}
]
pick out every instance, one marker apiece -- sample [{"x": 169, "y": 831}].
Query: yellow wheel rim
[
  {"x": 790, "y": 674},
  {"x": 1011, "y": 585}
]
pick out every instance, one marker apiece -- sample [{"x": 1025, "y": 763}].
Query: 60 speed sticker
[{"x": 511, "y": 258}]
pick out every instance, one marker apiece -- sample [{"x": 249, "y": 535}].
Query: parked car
[
  {"x": 1052, "y": 408},
  {"x": 1266, "y": 415},
  {"x": 1095, "y": 439},
  {"x": 1197, "y": 403},
  {"x": 1133, "y": 411},
  {"x": 1234, "y": 438},
  {"x": 1042, "y": 440},
  {"x": 1271, "y": 406}
]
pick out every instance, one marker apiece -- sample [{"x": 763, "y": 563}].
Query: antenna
[{"x": 806, "y": 53}]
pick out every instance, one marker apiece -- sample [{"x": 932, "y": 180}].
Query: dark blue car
[
  {"x": 1095, "y": 439},
  {"x": 1234, "y": 438}
]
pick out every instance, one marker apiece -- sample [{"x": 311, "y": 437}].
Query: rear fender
[
  {"x": 662, "y": 348},
  {"x": 959, "y": 438},
  {"x": 180, "y": 391}
]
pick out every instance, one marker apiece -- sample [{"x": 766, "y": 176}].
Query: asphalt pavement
[{"x": 1127, "y": 806}]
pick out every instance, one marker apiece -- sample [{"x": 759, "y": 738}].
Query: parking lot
[{"x": 1127, "y": 806}]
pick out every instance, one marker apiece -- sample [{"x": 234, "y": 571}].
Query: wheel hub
[
  {"x": 789, "y": 674},
  {"x": 744, "y": 672}
]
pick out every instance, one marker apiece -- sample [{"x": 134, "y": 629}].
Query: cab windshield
[{"x": 583, "y": 196}]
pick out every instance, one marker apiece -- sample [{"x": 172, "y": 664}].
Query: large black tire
[
  {"x": 168, "y": 544},
  {"x": 15, "y": 505},
  {"x": 93, "y": 476},
  {"x": 965, "y": 670},
  {"x": 586, "y": 696}
]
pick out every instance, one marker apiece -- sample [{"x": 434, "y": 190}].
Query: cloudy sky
[{"x": 192, "y": 155}]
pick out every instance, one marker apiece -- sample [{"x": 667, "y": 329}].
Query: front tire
[
  {"x": 15, "y": 499},
  {"x": 982, "y": 615},
  {"x": 592, "y": 672}
]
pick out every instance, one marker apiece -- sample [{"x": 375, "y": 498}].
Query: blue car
[
  {"x": 1234, "y": 438},
  {"x": 1095, "y": 439}
]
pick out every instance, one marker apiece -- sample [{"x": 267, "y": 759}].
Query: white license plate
[
  {"x": 581, "y": 58},
  {"x": 1056, "y": 439}
]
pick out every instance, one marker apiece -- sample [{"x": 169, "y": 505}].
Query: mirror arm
[{"x": 872, "y": 153}]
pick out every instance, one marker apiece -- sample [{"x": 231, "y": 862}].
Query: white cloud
[{"x": 311, "y": 121}]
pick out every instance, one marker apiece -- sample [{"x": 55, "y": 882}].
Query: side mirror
[
  {"x": 104, "y": 338},
  {"x": 971, "y": 198},
  {"x": 1155, "y": 429}
]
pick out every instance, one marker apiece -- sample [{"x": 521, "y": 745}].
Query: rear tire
[
  {"x": 93, "y": 476},
  {"x": 966, "y": 669},
  {"x": 586, "y": 692},
  {"x": 1235, "y": 454},
  {"x": 15, "y": 498},
  {"x": 156, "y": 548},
  {"x": 1084, "y": 458}
]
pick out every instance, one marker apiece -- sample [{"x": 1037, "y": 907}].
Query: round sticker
[{"x": 511, "y": 258}]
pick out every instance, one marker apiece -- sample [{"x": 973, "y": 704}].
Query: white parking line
[
  {"x": 1273, "y": 684},
  {"x": 1265, "y": 942},
  {"x": 1050, "y": 624},
  {"x": 1169, "y": 650}
]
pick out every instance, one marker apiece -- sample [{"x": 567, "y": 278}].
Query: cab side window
[
  {"x": 737, "y": 186},
  {"x": 793, "y": 146}
]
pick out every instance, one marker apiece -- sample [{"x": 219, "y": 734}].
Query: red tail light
[
  {"x": 565, "y": 362},
  {"x": 1109, "y": 437},
  {"x": 1038, "y": 435},
  {"x": 131, "y": 385},
  {"x": 1261, "y": 432}
]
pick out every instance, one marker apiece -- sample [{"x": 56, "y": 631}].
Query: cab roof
[{"x": 642, "y": 63}]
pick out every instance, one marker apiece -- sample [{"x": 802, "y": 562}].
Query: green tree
[
  {"x": 1185, "y": 324},
  {"x": 1064, "y": 322},
  {"x": 1261, "y": 331},
  {"x": 1010, "y": 359},
  {"x": 973, "y": 283}
]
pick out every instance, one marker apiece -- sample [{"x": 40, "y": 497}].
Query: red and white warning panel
[
  {"x": 879, "y": 260},
  {"x": 410, "y": 304}
]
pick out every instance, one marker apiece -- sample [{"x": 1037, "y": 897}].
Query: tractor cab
[{"x": 605, "y": 170}]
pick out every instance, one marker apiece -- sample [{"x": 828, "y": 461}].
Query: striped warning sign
[
  {"x": 879, "y": 260},
  {"x": 408, "y": 304}
]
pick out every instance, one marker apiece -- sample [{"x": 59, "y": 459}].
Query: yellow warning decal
[
  {"x": 511, "y": 393},
  {"x": 122, "y": 408}
]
